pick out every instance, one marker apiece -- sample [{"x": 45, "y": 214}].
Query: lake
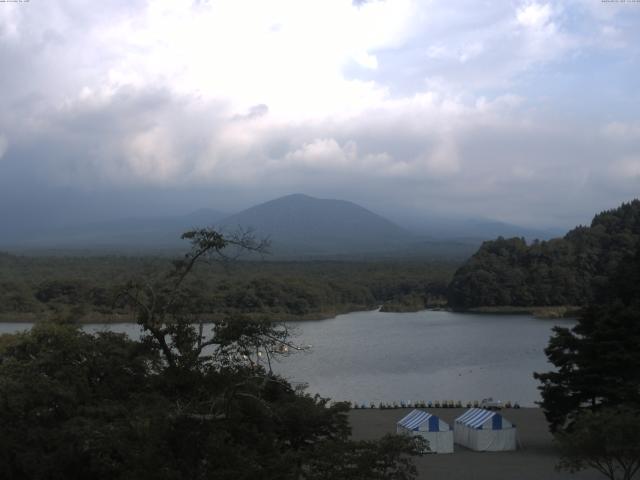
[{"x": 429, "y": 355}]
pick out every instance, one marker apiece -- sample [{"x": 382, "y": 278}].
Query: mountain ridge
[
  {"x": 320, "y": 225},
  {"x": 298, "y": 224}
]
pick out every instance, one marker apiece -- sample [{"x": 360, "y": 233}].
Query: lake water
[{"x": 430, "y": 355}]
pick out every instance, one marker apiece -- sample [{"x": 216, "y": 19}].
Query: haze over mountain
[
  {"x": 300, "y": 223},
  {"x": 297, "y": 224},
  {"x": 125, "y": 234},
  {"x": 468, "y": 228}
]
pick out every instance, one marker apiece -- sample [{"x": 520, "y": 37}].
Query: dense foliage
[
  {"x": 562, "y": 271},
  {"x": 606, "y": 440},
  {"x": 84, "y": 287},
  {"x": 182, "y": 403},
  {"x": 597, "y": 361},
  {"x": 77, "y": 406}
]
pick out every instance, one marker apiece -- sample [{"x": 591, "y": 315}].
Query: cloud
[
  {"x": 534, "y": 15},
  {"x": 443, "y": 160},
  {"x": 627, "y": 169},
  {"x": 4, "y": 145},
  {"x": 622, "y": 131},
  {"x": 322, "y": 153},
  {"x": 443, "y": 104}
]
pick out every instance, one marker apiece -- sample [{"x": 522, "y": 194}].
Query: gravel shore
[{"x": 535, "y": 459}]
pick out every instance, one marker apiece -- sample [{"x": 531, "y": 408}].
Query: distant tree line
[
  {"x": 561, "y": 271},
  {"x": 85, "y": 287}
]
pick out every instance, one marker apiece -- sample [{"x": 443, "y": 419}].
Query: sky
[{"x": 521, "y": 111}]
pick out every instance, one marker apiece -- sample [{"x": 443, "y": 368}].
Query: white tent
[
  {"x": 484, "y": 431},
  {"x": 431, "y": 428}
]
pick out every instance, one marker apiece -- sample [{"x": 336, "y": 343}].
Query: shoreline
[
  {"x": 549, "y": 313},
  {"x": 96, "y": 318}
]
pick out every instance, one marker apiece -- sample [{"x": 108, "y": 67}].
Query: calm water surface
[{"x": 429, "y": 355}]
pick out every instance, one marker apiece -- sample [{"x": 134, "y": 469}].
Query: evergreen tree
[{"x": 598, "y": 360}]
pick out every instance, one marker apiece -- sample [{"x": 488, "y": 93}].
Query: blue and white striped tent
[
  {"x": 485, "y": 431},
  {"x": 431, "y": 428}
]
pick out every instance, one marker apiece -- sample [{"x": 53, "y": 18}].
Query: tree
[
  {"x": 606, "y": 440},
  {"x": 168, "y": 307},
  {"x": 182, "y": 403},
  {"x": 561, "y": 271},
  {"x": 597, "y": 361},
  {"x": 387, "y": 459},
  {"x": 73, "y": 404}
]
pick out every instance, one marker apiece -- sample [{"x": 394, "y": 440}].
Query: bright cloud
[
  {"x": 534, "y": 15},
  {"x": 450, "y": 104},
  {"x": 276, "y": 55}
]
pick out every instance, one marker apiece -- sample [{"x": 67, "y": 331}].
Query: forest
[
  {"x": 85, "y": 288},
  {"x": 561, "y": 271}
]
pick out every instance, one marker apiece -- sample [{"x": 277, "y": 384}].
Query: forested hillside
[{"x": 561, "y": 271}]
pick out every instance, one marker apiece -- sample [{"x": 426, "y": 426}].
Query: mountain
[
  {"x": 469, "y": 229},
  {"x": 120, "y": 234},
  {"x": 300, "y": 224}
]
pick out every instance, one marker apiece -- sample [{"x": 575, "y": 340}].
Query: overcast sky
[{"x": 522, "y": 111}]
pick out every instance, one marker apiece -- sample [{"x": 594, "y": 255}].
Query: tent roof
[
  {"x": 415, "y": 419},
  {"x": 476, "y": 417}
]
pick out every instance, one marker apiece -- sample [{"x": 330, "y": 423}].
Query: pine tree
[{"x": 597, "y": 361}]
